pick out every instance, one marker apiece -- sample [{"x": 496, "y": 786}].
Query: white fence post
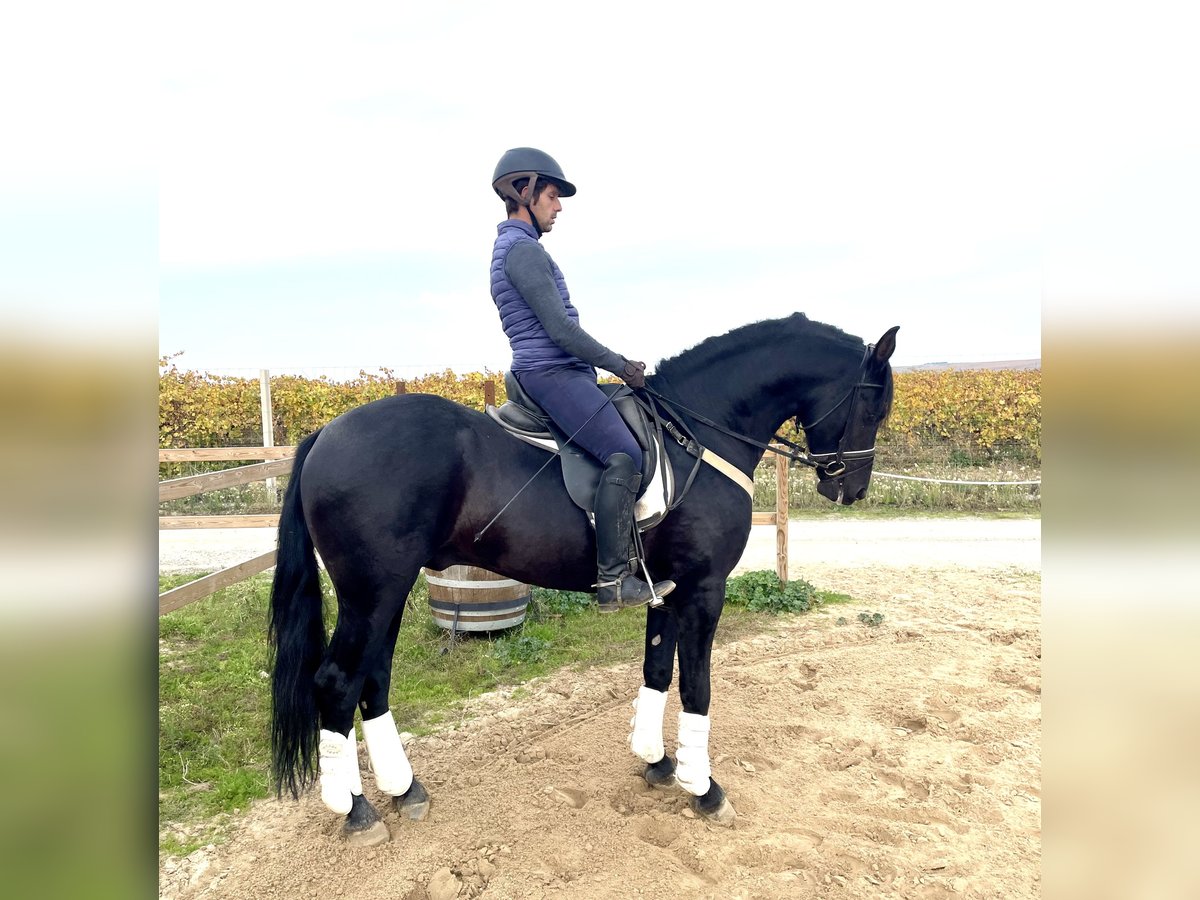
[{"x": 264, "y": 390}]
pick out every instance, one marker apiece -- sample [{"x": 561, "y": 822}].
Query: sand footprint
[
  {"x": 918, "y": 790},
  {"x": 659, "y": 832}
]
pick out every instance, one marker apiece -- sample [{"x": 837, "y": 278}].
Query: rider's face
[{"x": 546, "y": 207}]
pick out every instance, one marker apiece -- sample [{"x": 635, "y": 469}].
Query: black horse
[{"x": 409, "y": 481}]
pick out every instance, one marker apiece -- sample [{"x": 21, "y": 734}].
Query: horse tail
[{"x": 297, "y": 635}]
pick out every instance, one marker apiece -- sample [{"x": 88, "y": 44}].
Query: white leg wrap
[
  {"x": 338, "y": 767},
  {"x": 693, "y": 770},
  {"x": 646, "y": 739},
  {"x": 393, "y": 772}
]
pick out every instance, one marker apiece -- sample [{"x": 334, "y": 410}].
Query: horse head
[{"x": 845, "y": 431}]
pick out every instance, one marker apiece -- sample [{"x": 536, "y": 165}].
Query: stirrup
[{"x": 656, "y": 591}]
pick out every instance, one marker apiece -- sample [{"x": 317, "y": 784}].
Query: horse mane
[{"x": 758, "y": 336}]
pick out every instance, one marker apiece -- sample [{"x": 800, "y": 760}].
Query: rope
[{"x": 948, "y": 480}]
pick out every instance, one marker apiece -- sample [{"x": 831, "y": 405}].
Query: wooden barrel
[{"x": 464, "y": 598}]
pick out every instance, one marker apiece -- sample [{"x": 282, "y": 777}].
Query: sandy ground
[{"x": 897, "y": 761}]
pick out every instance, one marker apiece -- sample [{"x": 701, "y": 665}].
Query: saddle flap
[{"x": 582, "y": 471}]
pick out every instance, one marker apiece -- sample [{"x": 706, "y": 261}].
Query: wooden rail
[
  {"x": 222, "y": 454},
  {"x": 171, "y": 600},
  {"x": 214, "y": 481},
  {"x": 174, "y": 523}
]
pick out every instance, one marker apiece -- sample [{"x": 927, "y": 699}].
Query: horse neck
[{"x": 756, "y": 391}]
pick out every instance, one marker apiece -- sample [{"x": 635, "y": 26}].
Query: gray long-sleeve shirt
[{"x": 528, "y": 270}]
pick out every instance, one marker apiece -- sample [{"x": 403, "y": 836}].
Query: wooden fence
[{"x": 278, "y": 461}]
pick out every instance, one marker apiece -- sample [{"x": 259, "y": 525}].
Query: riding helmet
[{"x": 526, "y": 162}]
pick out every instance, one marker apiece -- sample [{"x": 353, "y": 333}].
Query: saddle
[{"x": 524, "y": 419}]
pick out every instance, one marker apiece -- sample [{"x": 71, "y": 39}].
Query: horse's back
[
  {"x": 400, "y": 421},
  {"x": 393, "y": 454}
]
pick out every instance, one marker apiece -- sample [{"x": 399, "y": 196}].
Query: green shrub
[
  {"x": 762, "y": 591},
  {"x": 510, "y": 651},
  {"x": 545, "y": 603}
]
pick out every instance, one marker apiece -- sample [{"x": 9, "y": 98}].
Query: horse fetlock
[
  {"x": 661, "y": 774},
  {"x": 714, "y": 806},
  {"x": 414, "y": 804},
  {"x": 338, "y": 768},
  {"x": 646, "y": 738},
  {"x": 393, "y": 771}
]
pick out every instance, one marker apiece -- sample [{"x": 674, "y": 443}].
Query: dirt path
[
  {"x": 897, "y": 761},
  {"x": 909, "y": 541}
]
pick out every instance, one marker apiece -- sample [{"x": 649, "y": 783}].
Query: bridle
[
  {"x": 836, "y": 467},
  {"x": 832, "y": 464}
]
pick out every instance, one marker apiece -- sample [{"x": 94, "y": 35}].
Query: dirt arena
[{"x": 902, "y": 760}]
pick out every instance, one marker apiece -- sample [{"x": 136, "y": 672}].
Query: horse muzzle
[{"x": 844, "y": 484}]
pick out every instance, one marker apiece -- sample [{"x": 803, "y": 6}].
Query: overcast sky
[
  {"x": 321, "y": 175},
  {"x": 325, "y": 198}
]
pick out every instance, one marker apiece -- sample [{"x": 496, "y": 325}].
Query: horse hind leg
[
  {"x": 340, "y": 682},
  {"x": 393, "y": 772}
]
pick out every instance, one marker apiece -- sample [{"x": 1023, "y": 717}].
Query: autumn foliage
[{"x": 986, "y": 414}]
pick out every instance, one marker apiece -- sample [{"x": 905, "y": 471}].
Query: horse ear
[{"x": 886, "y": 346}]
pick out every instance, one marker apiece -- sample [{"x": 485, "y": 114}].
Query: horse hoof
[
  {"x": 375, "y": 834},
  {"x": 413, "y": 803},
  {"x": 715, "y": 806},
  {"x": 661, "y": 774},
  {"x": 363, "y": 827}
]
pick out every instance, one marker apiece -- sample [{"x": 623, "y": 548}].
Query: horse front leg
[
  {"x": 646, "y": 738},
  {"x": 697, "y": 624}
]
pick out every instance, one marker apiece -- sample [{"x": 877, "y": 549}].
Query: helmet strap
[{"x": 528, "y": 204}]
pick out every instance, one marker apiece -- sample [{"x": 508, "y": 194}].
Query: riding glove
[{"x": 634, "y": 373}]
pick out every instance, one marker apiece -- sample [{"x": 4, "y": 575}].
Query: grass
[{"x": 214, "y": 684}]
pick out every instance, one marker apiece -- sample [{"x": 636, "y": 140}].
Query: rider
[{"x": 555, "y": 361}]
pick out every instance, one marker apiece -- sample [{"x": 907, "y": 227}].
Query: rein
[{"x": 831, "y": 464}]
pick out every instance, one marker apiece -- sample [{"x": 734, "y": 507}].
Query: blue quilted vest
[{"x": 532, "y": 348}]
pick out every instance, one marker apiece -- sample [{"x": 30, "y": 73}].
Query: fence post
[
  {"x": 781, "y": 517},
  {"x": 401, "y": 388},
  {"x": 264, "y": 394},
  {"x": 489, "y": 393}
]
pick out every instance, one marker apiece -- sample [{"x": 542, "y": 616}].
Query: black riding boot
[{"x": 616, "y": 586}]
